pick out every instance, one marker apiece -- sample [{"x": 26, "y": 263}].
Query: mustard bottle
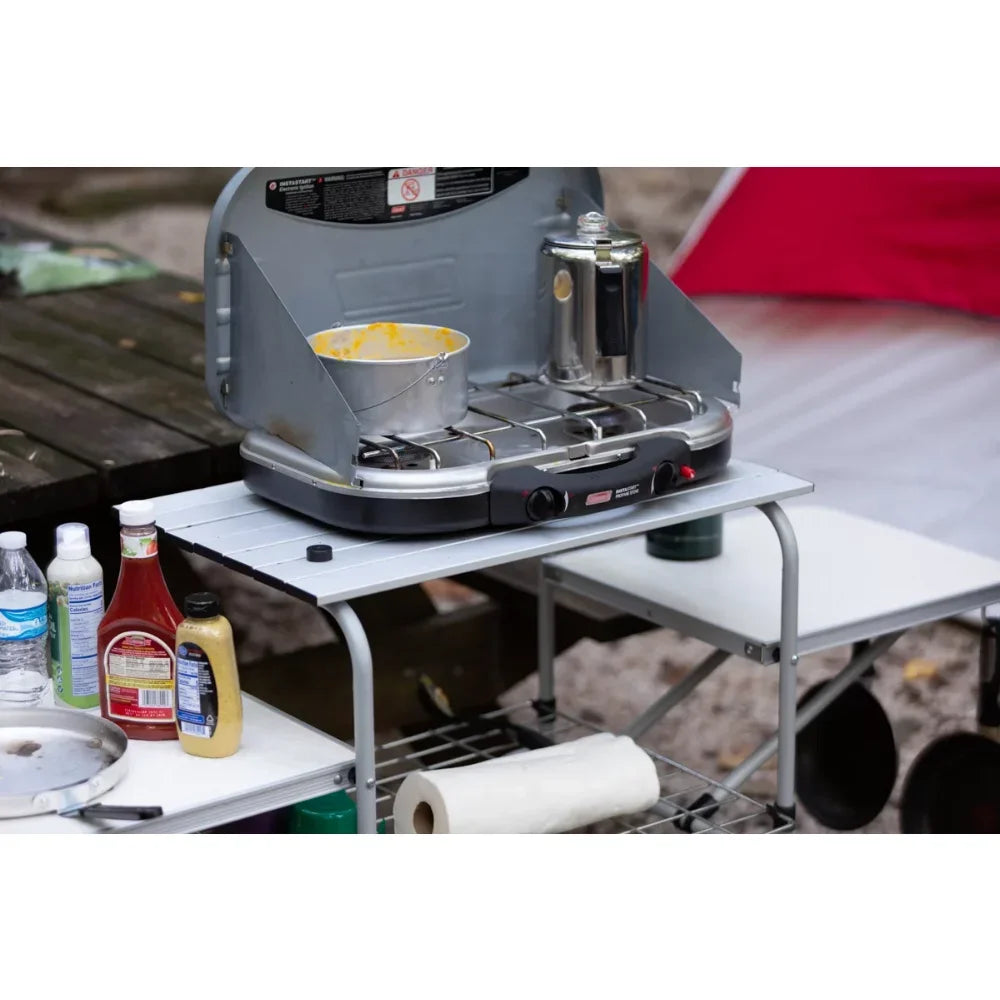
[{"x": 209, "y": 704}]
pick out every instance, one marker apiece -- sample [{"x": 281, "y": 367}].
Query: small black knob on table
[{"x": 543, "y": 504}]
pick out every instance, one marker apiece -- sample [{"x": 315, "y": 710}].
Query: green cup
[
  {"x": 332, "y": 813},
  {"x": 701, "y": 539}
]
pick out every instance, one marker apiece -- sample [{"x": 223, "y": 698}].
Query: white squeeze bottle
[
  {"x": 24, "y": 641},
  {"x": 76, "y": 606}
]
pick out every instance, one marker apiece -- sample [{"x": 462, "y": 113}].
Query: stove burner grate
[{"x": 596, "y": 416}]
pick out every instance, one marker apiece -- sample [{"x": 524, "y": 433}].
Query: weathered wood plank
[
  {"x": 167, "y": 293},
  {"x": 36, "y": 480},
  {"x": 117, "y": 374},
  {"x": 135, "y": 456},
  {"x": 123, "y": 323}
]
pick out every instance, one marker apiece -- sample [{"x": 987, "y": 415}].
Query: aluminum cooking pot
[{"x": 398, "y": 377}]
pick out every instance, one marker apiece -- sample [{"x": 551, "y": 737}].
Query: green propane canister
[
  {"x": 700, "y": 539},
  {"x": 333, "y": 813}
]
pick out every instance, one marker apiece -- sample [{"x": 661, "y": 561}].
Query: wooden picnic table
[{"x": 102, "y": 398}]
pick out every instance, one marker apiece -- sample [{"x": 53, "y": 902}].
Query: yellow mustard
[
  {"x": 386, "y": 342},
  {"x": 209, "y": 705}
]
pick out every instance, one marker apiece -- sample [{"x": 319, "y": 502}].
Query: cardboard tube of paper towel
[{"x": 540, "y": 791}]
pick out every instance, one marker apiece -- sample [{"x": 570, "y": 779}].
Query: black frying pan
[
  {"x": 954, "y": 784},
  {"x": 845, "y": 759},
  {"x": 953, "y": 787}
]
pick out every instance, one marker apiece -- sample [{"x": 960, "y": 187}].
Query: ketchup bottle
[{"x": 135, "y": 640}]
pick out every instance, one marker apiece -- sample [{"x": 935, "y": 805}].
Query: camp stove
[{"x": 593, "y": 382}]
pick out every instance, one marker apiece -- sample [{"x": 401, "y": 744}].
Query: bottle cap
[
  {"x": 13, "y": 540},
  {"x": 72, "y": 541},
  {"x": 202, "y": 605},
  {"x": 319, "y": 553},
  {"x": 136, "y": 513}
]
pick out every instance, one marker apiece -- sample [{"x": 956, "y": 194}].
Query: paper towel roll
[{"x": 539, "y": 791}]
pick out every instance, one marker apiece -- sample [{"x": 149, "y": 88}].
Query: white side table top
[
  {"x": 858, "y": 579},
  {"x": 280, "y": 761}
]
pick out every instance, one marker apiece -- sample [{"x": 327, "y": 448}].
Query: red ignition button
[{"x": 687, "y": 472}]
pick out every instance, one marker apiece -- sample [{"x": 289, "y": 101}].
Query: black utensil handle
[
  {"x": 438, "y": 705},
  {"x": 118, "y": 812},
  {"x": 612, "y": 341},
  {"x": 525, "y": 493}
]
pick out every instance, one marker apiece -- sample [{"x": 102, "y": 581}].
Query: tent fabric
[{"x": 928, "y": 235}]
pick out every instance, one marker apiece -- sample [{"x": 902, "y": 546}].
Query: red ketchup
[{"x": 135, "y": 640}]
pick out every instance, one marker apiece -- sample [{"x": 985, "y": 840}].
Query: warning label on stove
[{"x": 387, "y": 194}]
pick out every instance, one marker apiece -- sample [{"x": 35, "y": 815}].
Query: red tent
[{"x": 927, "y": 235}]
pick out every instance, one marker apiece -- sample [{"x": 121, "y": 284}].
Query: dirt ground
[{"x": 926, "y": 682}]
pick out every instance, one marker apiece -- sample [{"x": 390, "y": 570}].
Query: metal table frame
[
  {"x": 788, "y": 725},
  {"x": 872, "y": 635},
  {"x": 230, "y": 525}
]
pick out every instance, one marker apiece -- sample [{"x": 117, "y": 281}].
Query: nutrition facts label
[
  {"x": 139, "y": 672},
  {"x": 197, "y": 699},
  {"x": 85, "y": 604}
]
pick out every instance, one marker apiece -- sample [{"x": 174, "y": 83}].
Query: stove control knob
[
  {"x": 543, "y": 504},
  {"x": 664, "y": 478}
]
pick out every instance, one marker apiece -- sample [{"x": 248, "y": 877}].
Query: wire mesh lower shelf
[{"x": 689, "y": 802}]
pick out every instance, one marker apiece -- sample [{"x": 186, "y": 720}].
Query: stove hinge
[{"x": 223, "y": 351}]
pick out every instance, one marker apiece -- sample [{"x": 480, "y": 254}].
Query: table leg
[
  {"x": 546, "y": 640},
  {"x": 364, "y": 710},
  {"x": 856, "y": 668},
  {"x": 788, "y": 656}
]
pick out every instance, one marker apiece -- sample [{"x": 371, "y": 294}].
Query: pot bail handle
[{"x": 439, "y": 362}]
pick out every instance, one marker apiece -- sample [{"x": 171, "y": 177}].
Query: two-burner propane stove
[{"x": 586, "y": 380}]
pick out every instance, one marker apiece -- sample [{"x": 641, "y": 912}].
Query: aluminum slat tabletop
[{"x": 231, "y": 525}]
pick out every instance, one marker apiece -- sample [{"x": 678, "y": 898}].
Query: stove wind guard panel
[{"x": 291, "y": 251}]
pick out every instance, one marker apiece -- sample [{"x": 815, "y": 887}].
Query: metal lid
[{"x": 591, "y": 229}]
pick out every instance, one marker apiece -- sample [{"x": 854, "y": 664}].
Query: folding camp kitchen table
[
  {"x": 231, "y": 525},
  {"x": 862, "y": 582}
]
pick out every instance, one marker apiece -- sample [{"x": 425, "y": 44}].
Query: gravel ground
[{"x": 926, "y": 682}]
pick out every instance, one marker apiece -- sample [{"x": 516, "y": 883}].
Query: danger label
[{"x": 410, "y": 184}]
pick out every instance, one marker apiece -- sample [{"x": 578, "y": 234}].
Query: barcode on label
[
  {"x": 190, "y": 729},
  {"x": 154, "y": 698}
]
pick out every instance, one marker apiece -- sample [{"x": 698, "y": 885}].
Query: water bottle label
[{"x": 24, "y": 623}]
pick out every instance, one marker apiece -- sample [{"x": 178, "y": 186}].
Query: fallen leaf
[
  {"x": 728, "y": 759},
  {"x": 127, "y": 342},
  {"x": 920, "y": 670},
  {"x": 191, "y": 297},
  {"x": 731, "y": 758}
]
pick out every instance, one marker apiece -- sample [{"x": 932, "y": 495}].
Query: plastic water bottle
[{"x": 24, "y": 647}]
